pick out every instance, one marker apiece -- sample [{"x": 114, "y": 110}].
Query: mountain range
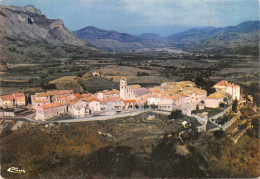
[
  {"x": 240, "y": 39},
  {"x": 113, "y": 40},
  {"x": 27, "y": 34}
]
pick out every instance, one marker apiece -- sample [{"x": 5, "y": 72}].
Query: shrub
[
  {"x": 221, "y": 104},
  {"x": 176, "y": 114}
]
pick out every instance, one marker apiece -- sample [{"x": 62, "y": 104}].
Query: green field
[{"x": 97, "y": 84}]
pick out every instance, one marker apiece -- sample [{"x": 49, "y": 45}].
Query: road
[{"x": 96, "y": 118}]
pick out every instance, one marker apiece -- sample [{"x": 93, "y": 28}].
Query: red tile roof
[
  {"x": 92, "y": 99},
  {"x": 59, "y": 92},
  {"x": 217, "y": 95},
  {"x": 7, "y": 98},
  {"x": 52, "y": 105},
  {"x": 130, "y": 101},
  {"x": 41, "y": 94},
  {"x": 78, "y": 95},
  {"x": 225, "y": 83},
  {"x": 113, "y": 99},
  {"x": 16, "y": 95},
  {"x": 183, "y": 94}
]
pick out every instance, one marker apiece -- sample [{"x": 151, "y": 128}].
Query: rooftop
[
  {"x": 77, "y": 95},
  {"x": 7, "y": 98},
  {"x": 52, "y": 105},
  {"x": 217, "y": 95},
  {"x": 92, "y": 99},
  {"x": 129, "y": 101},
  {"x": 141, "y": 91},
  {"x": 113, "y": 99},
  {"x": 183, "y": 94},
  {"x": 225, "y": 83}
]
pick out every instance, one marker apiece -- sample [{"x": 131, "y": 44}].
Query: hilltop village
[{"x": 169, "y": 96}]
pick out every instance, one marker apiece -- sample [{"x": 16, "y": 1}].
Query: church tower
[{"x": 123, "y": 88}]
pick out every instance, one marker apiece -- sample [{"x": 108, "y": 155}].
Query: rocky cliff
[{"x": 27, "y": 34}]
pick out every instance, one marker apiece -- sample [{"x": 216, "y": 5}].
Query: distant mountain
[
  {"x": 27, "y": 34},
  {"x": 150, "y": 36},
  {"x": 240, "y": 39},
  {"x": 114, "y": 40}
]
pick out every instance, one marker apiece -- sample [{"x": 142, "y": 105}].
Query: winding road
[{"x": 96, "y": 118}]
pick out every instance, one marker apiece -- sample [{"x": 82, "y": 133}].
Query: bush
[
  {"x": 177, "y": 114},
  {"x": 221, "y": 104},
  {"x": 153, "y": 106},
  {"x": 79, "y": 74}
]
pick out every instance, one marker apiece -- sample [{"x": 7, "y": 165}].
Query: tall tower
[{"x": 123, "y": 86}]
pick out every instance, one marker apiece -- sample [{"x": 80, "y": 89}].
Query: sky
[{"x": 163, "y": 17}]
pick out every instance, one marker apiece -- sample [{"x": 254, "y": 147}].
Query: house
[
  {"x": 51, "y": 110},
  {"x": 183, "y": 98},
  {"x": 200, "y": 106},
  {"x": 77, "y": 108},
  {"x": 7, "y": 101},
  {"x": 230, "y": 88},
  {"x": 213, "y": 100},
  {"x": 19, "y": 99},
  {"x": 130, "y": 104},
  {"x": 114, "y": 104},
  {"x": 7, "y": 113},
  {"x": 94, "y": 105},
  {"x": 153, "y": 99},
  {"x": 140, "y": 95},
  {"x": 39, "y": 102},
  {"x": 40, "y": 99},
  {"x": 166, "y": 103}
]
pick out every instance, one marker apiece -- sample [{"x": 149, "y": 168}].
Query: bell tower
[{"x": 123, "y": 86}]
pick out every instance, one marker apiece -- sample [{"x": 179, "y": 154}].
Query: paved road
[{"x": 96, "y": 118}]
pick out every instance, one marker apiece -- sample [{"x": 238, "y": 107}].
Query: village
[{"x": 130, "y": 99}]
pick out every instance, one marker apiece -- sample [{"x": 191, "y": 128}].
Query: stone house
[
  {"x": 7, "y": 113},
  {"x": 153, "y": 99},
  {"x": 213, "y": 100},
  {"x": 130, "y": 104},
  {"x": 114, "y": 104},
  {"x": 19, "y": 99},
  {"x": 78, "y": 108},
  {"x": 7, "y": 101},
  {"x": 230, "y": 88},
  {"x": 141, "y": 95},
  {"x": 200, "y": 106},
  {"x": 51, "y": 110},
  {"x": 40, "y": 99},
  {"x": 94, "y": 105},
  {"x": 166, "y": 103}
]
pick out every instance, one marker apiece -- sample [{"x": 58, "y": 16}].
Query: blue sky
[{"x": 141, "y": 16}]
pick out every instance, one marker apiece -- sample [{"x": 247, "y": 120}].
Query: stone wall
[{"x": 221, "y": 113}]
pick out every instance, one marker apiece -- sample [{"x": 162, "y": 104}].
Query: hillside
[
  {"x": 27, "y": 34},
  {"x": 113, "y": 40},
  {"x": 240, "y": 39}
]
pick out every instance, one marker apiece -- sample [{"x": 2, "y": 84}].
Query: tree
[
  {"x": 145, "y": 105},
  {"x": 221, "y": 104},
  {"x": 176, "y": 114},
  {"x": 79, "y": 74},
  {"x": 234, "y": 105},
  {"x": 153, "y": 106}
]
